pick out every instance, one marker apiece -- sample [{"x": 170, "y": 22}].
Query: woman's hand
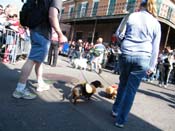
[{"x": 148, "y": 72}]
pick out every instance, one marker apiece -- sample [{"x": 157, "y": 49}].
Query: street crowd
[
  {"x": 164, "y": 72},
  {"x": 12, "y": 35}
]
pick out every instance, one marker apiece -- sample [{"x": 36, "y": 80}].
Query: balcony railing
[
  {"x": 164, "y": 11},
  {"x": 119, "y": 8}
]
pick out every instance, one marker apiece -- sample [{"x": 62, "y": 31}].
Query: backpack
[{"x": 33, "y": 13}]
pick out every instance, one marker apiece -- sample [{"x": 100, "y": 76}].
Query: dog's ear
[
  {"x": 102, "y": 86},
  {"x": 96, "y": 83},
  {"x": 93, "y": 90}
]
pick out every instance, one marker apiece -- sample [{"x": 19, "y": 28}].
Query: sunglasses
[{"x": 10, "y": 16}]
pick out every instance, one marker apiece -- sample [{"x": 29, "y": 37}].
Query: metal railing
[
  {"x": 11, "y": 45},
  {"x": 119, "y": 8}
]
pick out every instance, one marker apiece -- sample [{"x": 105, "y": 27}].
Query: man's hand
[{"x": 62, "y": 39}]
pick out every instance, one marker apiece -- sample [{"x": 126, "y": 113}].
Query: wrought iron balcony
[{"x": 118, "y": 10}]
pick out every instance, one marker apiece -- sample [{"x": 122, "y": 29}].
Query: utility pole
[
  {"x": 167, "y": 36},
  {"x": 94, "y": 30}
]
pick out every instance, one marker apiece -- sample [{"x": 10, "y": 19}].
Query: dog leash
[
  {"x": 104, "y": 80},
  {"x": 84, "y": 76},
  {"x": 86, "y": 81},
  {"x": 109, "y": 84}
]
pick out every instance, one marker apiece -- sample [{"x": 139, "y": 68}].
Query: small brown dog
[
  {"x": 86, "y": 90},
  {"x": 111, "y": 91}
]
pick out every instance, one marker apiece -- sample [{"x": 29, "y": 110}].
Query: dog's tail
[{"x": 70, "y": 94}]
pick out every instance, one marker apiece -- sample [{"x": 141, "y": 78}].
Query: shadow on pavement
[
  {"x": 158, "y": 95},
  {"x": 49, "y": 112}
]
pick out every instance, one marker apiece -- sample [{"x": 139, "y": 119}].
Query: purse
[
  {"x": 121, "y": 30},
  {"x": 95, "y": 52}
]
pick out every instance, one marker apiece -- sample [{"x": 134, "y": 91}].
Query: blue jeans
[
  {"x": 116, "y": 66},
  {"x": 40, "y": 47},
  {"x": 132, "y": 70}
]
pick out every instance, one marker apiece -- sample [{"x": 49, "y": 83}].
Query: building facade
[{"x": 90, "y": 19}]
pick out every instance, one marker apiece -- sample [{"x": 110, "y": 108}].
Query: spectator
[
  {"x": 1, "y": 10},
  {"x": 96, "y": 63},
  {"x": 77, "y": 50},
  {"x": 13, "y": 22},
  {"x": 10, "y": 9},
  {"x": 2, "y": 26},
  {"x": 139, "y": 48},
  {"x": 165, "y": 66},
  {"x": 2, "y": 16},
  {"x": 71, "y": 50},
  {"x": 116, "y": 63},
  {"x": 40, "y": 38},
  {"x": 113, "y": 39}
]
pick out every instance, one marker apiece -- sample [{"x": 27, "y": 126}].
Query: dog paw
[{"x": 73, "y": 101}]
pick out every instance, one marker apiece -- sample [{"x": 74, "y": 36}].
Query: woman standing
[{"x": 139, "y": 48}]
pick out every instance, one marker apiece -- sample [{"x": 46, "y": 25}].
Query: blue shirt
[
  {"x": 100, "y": 47},
  {"x": 142, "y": 36}
]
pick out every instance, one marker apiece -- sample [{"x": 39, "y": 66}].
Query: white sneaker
[
  {"x": 42, "y": 87},
  {"x": 119, "y": 125},
  {"x": 165, "y": 86},
  {"x": 114, "y": 114},
  {"x": 25, "y": 94},
  {"x": 160, "y": 85}
]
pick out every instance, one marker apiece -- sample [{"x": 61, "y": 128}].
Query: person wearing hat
[{"x": 139, "y": 49}]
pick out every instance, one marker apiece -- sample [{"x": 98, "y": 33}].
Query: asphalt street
[{"x": 153, "y": 108}]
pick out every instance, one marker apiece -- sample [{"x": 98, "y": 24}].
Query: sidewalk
[{"x": 153, "y": 109}]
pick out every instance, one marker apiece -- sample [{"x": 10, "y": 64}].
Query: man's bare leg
[
  {"x": 26, "y": 70},
  {"x": 21, "y": 91},
  {"x": 42, "y": 86}
]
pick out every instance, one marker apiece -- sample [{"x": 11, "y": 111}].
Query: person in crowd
[
  {"x": 139, "y": 48},
  {"x": 113, "y": 39},
  {"x": 71, "y": 49},
  {"x": 86, "y": 49},
  {"x": 77, "y": 50},
  {"x": 2, "y": 17},
  {"x": 116, "y": 63},
  {"x": 10, "y": 9},
  {"x": 1, "y": 10},
  {"x": 110, "y": 55},
  {"x": 2, "y": 26},
  {"x": 53, "y": 50},
  {"x": 10, "y": 31},
  {"x": 96, "y": 63},
  {"x": 165, "y": 66},
  {"x": 173, "y": 70},
  {"x": 40, "y": 38},
  {"x": 89, "y": 55},
  {"x": 13, "y": 22}
]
